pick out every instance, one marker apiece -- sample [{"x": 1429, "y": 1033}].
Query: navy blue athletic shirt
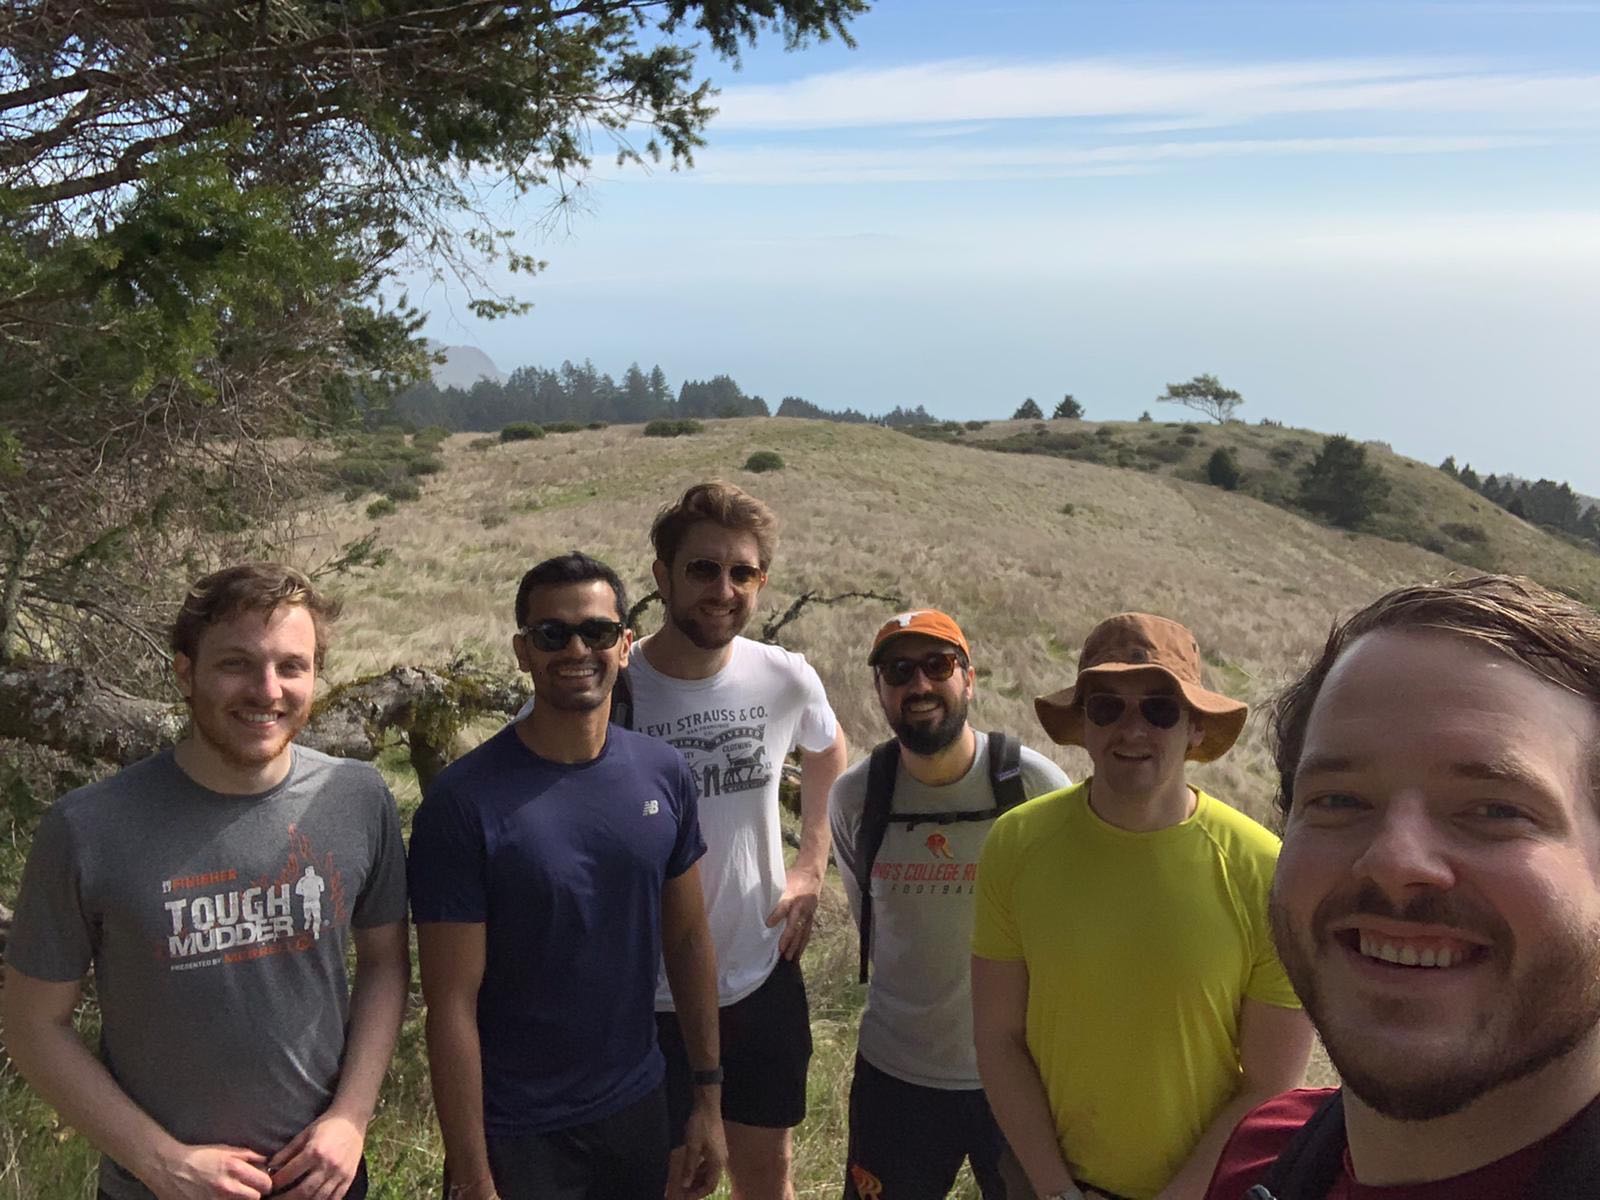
[{"x": 563, "y": 864}]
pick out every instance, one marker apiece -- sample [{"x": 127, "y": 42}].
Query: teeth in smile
[
  {"x": 259, "y": 718},
  {"x": 1409, "y": 955}
]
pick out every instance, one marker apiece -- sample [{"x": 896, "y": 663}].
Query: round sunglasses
[
  {"x": 743, "y": 576},
  {"x": 552, "y": 635},
  {"x": 936, "y": 667},
  {"x": 1106, "y": 708}
]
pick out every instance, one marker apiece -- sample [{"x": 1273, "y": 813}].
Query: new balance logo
[{"x": 652, "y": 807}]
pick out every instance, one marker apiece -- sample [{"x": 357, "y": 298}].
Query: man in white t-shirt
[{"x": 735, "y": 708}]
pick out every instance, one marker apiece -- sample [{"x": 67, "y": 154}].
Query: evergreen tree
[
  {"x": 1341, "y": 486},
  {"x": 1028, "y": 411},
  {"x": 1068, "y": 410},
  {"x": 1221, "y": 469}
]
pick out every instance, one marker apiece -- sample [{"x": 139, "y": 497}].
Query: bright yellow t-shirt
[{"x": 1140, "y": 948}]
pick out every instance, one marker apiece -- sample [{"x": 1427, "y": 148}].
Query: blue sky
[{"x": 1381, "y": 219}]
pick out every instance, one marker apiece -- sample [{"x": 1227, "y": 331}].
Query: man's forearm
[
  {"x": 455, "y": 1068},
  {"x": 58, "y": 1066},
  {"x": 817, "y": 773},
  {"x": 377, "y": 1005},
  {"x": 1194, "y": 1177},
  {"x": 692, "y": 977},
  {"x": 1022, "y": 1109}
]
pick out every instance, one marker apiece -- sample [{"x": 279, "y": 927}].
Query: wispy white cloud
[
  {"x": 939, "y": 162},
  {"x": 1160, "y": 90}
]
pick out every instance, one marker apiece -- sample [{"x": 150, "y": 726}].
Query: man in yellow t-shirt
[{"x": 1128, "y": 1004}]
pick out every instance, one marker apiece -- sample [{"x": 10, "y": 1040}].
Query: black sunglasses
[
  {"x": 552, "y": 635},
  {"x": 1106, "y": 708},
  {"x": 937, "y": 666},
  {"x": 708, "y": 570}
]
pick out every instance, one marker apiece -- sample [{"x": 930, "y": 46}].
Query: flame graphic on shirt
[
  {"x": 939, "y": 846},
  {"x": 868, "y": 1185}
]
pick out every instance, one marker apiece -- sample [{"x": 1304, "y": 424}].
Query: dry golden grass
[{"x": 982, "y": 536}]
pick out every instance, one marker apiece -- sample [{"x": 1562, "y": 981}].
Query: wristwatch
[{"x": 706, "y": 1078}]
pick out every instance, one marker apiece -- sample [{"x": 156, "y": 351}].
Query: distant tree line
[
  {"x": 572, "y": 392},
  {"x": 577, "y": 392},
  {"x": 1546, "y": 502}
]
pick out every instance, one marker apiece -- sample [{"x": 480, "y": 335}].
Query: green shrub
[
  {"x": 1474, "y": 535},
  {"x": 430, "y": 438},
  {"x": 1068, "y": 509},
  {"x": 1191, "y": 429},
  {"x": 563, "y": 427},
  {"x": 1105, "y": 433},
  {"x": 381, "y": 507},
  {"x": 424, "y": 464},
  {"x": 522, "y": 431},
  {"x": 403, "y": 489},
  {"x": 1187, "y": 439},
  {"x": 482, "y": 443},
  {"x": 1167, "y": 452},
  {"x": 1221, "y": 470},
  {"x": 1145, "y": 416},
  {"x": 595, "y": 425},
  {"x": 665, "y": 427},
  {"x": 976, "y": 425},
  {"x": 1285, "y": 454},
  {"x": 763, "y": 461}
]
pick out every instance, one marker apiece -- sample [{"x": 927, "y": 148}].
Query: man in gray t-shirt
[
  {"x": 214, "y": 888},
  {"x": 917, "y": 1107}
]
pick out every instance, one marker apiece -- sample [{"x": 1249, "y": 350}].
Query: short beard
[
  {"x": 695, "y": 632},
  {"x": 692, "y": 629},
  {"x": 1554, "y": 1007},
  {"x": 928, "y": 740},
  {"x": 259, "y": 758}
]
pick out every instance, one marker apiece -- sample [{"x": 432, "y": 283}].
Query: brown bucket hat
[{"x": 1140, "y": 642}]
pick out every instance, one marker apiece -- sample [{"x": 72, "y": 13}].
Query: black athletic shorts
[
  {"x": 620, "y": 1157},
  {"x": 909, "y": 1140},
  {"x": 766, "y": 1048}
]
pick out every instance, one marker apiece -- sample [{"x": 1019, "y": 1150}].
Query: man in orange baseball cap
[
  {"x": 908, "y": 825},
  {"x": 1128, "y": 1005}
]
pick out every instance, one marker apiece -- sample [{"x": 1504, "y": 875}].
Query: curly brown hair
[
  {"x": 1554, "y": 636},
  {"x": 723, "y": 503},
  {"x": 250, "y": 586}
]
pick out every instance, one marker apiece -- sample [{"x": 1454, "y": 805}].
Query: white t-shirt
[{"x": 735, "y": 728}]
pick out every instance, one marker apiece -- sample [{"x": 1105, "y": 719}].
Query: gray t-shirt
[
  {"x": 217, "y": 927},
  {"x": 918, "y": 1021}
]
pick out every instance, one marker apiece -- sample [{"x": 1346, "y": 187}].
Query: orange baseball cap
[{"x": 929, "y": 622}]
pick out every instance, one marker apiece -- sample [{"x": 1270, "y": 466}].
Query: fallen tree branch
[
  {"x": 769, "y": 631},
  {"x": 66, "y": 709}
]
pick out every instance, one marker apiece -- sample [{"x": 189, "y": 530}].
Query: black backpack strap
[
  {"x": 1005, "y": 771},
  {"x": 1572, "y": 1162},
  {"x": 881, "y": 770},
  {"x": 1310, "y": 1164},
  {"x": 622, "y": 700}
]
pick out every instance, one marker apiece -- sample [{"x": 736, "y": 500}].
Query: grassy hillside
[
  {"x": 1425, "y": 506},
  {"x": 1028, "y": 552}
]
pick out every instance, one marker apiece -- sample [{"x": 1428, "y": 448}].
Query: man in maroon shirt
[{"x": 1437, "y": 904}]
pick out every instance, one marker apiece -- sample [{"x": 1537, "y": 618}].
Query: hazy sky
[{"x": 1380, "y": 218}]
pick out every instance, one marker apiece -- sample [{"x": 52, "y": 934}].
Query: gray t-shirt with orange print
[{"x": 918, "y": 1021}]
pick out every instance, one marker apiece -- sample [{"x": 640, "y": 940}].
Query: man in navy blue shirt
[{"x": 551, "y": 869}]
